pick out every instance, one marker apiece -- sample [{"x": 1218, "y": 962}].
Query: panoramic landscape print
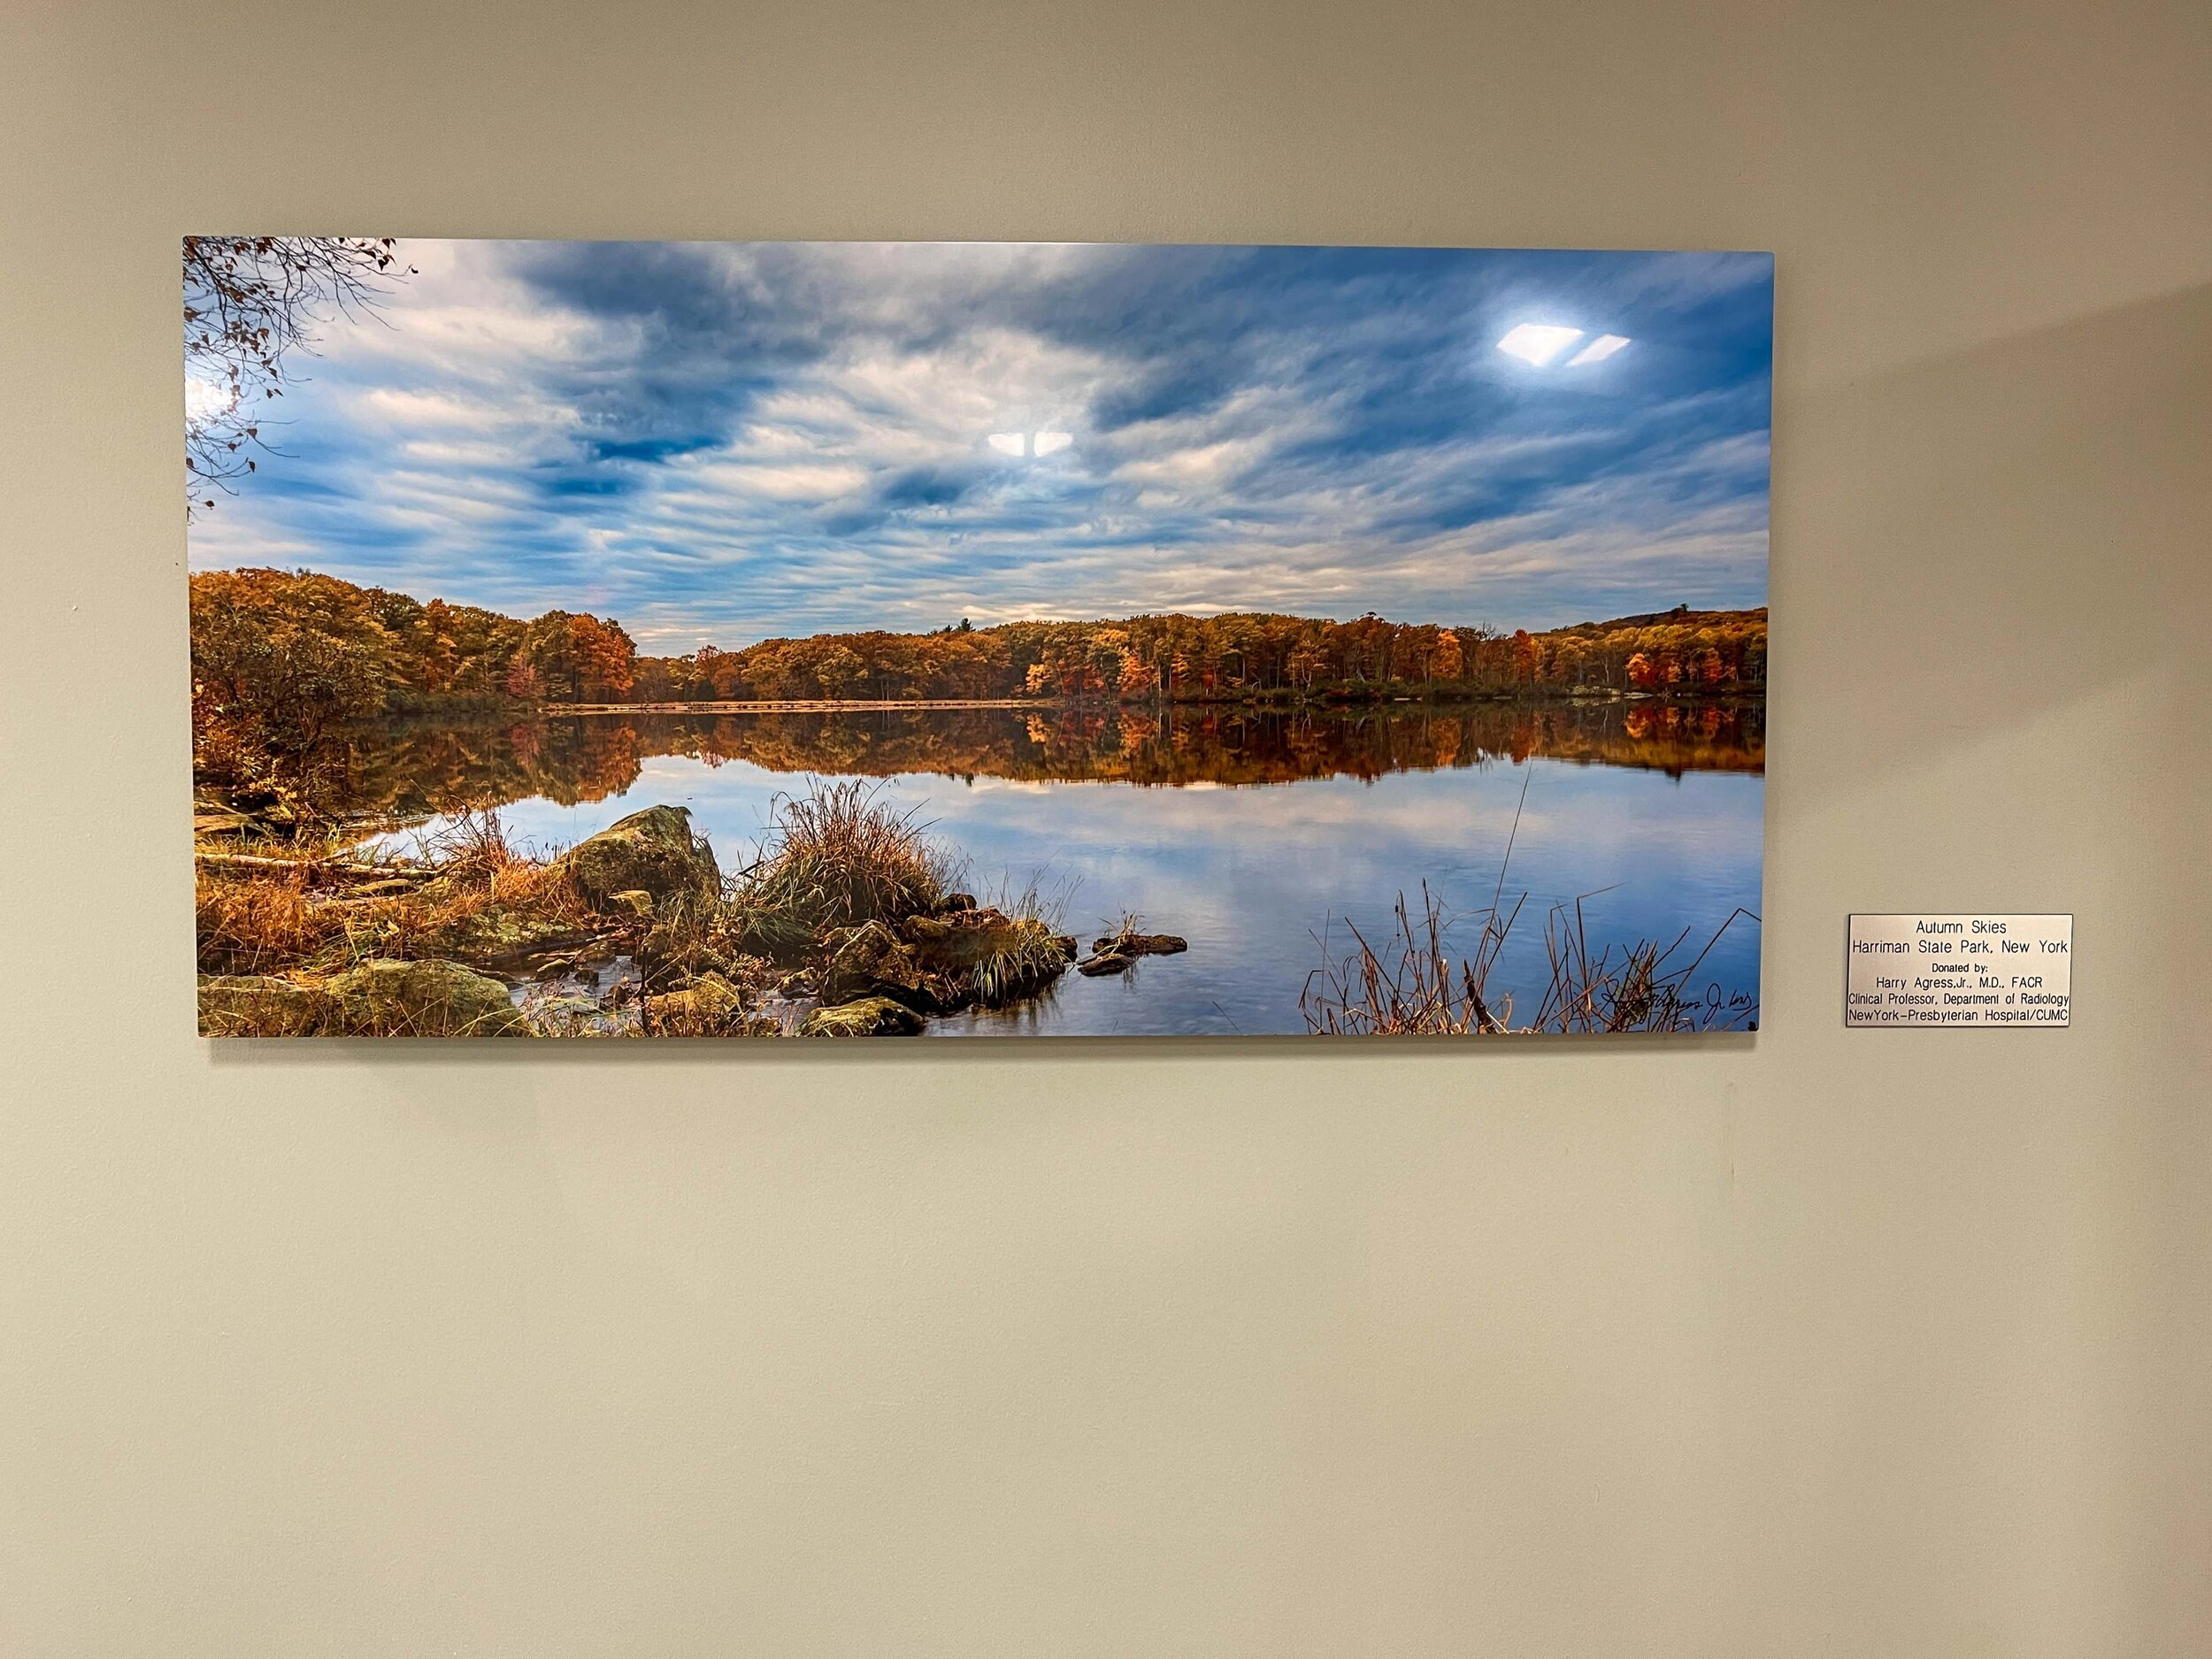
[{"x": 822, "y": 640}]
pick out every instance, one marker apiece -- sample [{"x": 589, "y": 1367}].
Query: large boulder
[
  {"x": 421, "y": 999},
  {"x": 869, "y": 1016},
  {"x": 652, "y": 852}
]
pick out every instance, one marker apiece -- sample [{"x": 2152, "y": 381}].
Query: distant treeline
[
  {"x": 1241, "y": 655},
  {"x": 281, "y": 659}
]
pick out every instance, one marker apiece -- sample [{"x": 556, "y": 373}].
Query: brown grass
[
  {"x": 1411, "y": 983},
  {"x": 1034, "y": 959},
  {"x": 1406, "y": 983},
  {"x": 460, "y": 886},
  {"x": 839, "y": 857},
  {"x": 256, "y": 924}
]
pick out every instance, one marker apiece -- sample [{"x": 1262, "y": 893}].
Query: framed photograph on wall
[{"x": 775, "y": 640}]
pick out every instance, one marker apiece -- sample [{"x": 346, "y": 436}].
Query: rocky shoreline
[{"x": 846, "y": 927}]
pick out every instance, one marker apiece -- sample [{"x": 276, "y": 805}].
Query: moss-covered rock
[
  {"x": 871, "y": 960},
  {"x": 869, "y": 1016},
  {"x": 499, "y": 935},
  {"x": 421, "y": 999},
  {"x": 710, "y": 1006},
  {"x": 653, "y": 852},
  {"x": 958, "y": 939},
  {"x": 989, "y": 956},
  {"x": 254, "y": 1005}
]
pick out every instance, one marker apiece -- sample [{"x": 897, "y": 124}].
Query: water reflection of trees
[{"x": 404, "y": 768}]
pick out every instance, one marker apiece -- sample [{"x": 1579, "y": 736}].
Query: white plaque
[{"x": 1963, "y": 969}]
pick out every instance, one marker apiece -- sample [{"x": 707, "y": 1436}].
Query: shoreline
[
  {"x": 873, "y": 705},
  {"x": 793, "y": 705},
  {"x": 851, "y": 927}
]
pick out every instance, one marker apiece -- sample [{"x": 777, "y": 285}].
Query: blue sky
[{"x": 716, "y": 444}]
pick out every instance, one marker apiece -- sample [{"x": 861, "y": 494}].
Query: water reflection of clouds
[{"x": 1250, "y": 876}]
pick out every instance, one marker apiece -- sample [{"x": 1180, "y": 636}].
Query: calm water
[{"x": 1254, "y": 837}]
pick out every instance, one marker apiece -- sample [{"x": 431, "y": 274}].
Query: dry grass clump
[
  {"x": 481, "y": 888},
  {"x": 1034, "y": 953},
  {"x": 1643, "y": 987},
  {"x": 840, "y": 856},
  {"x": 1032, "y": 957},
  {"x": 1409, "y": 983},
  {"x": 469, "y": 892},
  {"x": 992, "y": 955},
  {"x": 255, "y": 923},
  {"x": 688, "y": 942}
]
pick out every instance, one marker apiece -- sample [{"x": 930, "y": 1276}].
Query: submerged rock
[
  {"x": 1140, "y": 944},
  {"x": 870, "y": 1016},
  {"x": 1116, "y": 953},
  {"x": 421, "y": 999},
  {"x": 652, "y": 852}
]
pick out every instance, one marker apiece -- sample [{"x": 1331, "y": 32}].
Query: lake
[{"x": 1255, "y": 835}]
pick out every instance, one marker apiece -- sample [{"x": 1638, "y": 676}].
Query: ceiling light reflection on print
[
  {"x": 1538, "y": 343},
  {"x": 1603, "y": 347},
  {"x": 1017, "y": 443}
]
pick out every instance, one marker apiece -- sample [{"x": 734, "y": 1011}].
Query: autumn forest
[{"x": 283, "y": 662}]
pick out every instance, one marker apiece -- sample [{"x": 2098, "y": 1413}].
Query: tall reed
[{"x": 1410, "y": 982}]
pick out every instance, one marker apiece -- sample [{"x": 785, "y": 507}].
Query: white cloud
[{"x": 806, "y": 441}]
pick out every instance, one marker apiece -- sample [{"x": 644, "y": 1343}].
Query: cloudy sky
[{"x": 716, "y": 443}]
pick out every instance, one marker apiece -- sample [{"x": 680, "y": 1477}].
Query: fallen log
[{"x": 348, "y": 868}]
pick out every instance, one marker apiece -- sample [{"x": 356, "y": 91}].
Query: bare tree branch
[{"x": 249, "y": 301}]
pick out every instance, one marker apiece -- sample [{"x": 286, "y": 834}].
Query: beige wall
[{"x": 1881, "y": 1343}]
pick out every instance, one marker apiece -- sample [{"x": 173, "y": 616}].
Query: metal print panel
[{"x": 782, "y": 640}]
